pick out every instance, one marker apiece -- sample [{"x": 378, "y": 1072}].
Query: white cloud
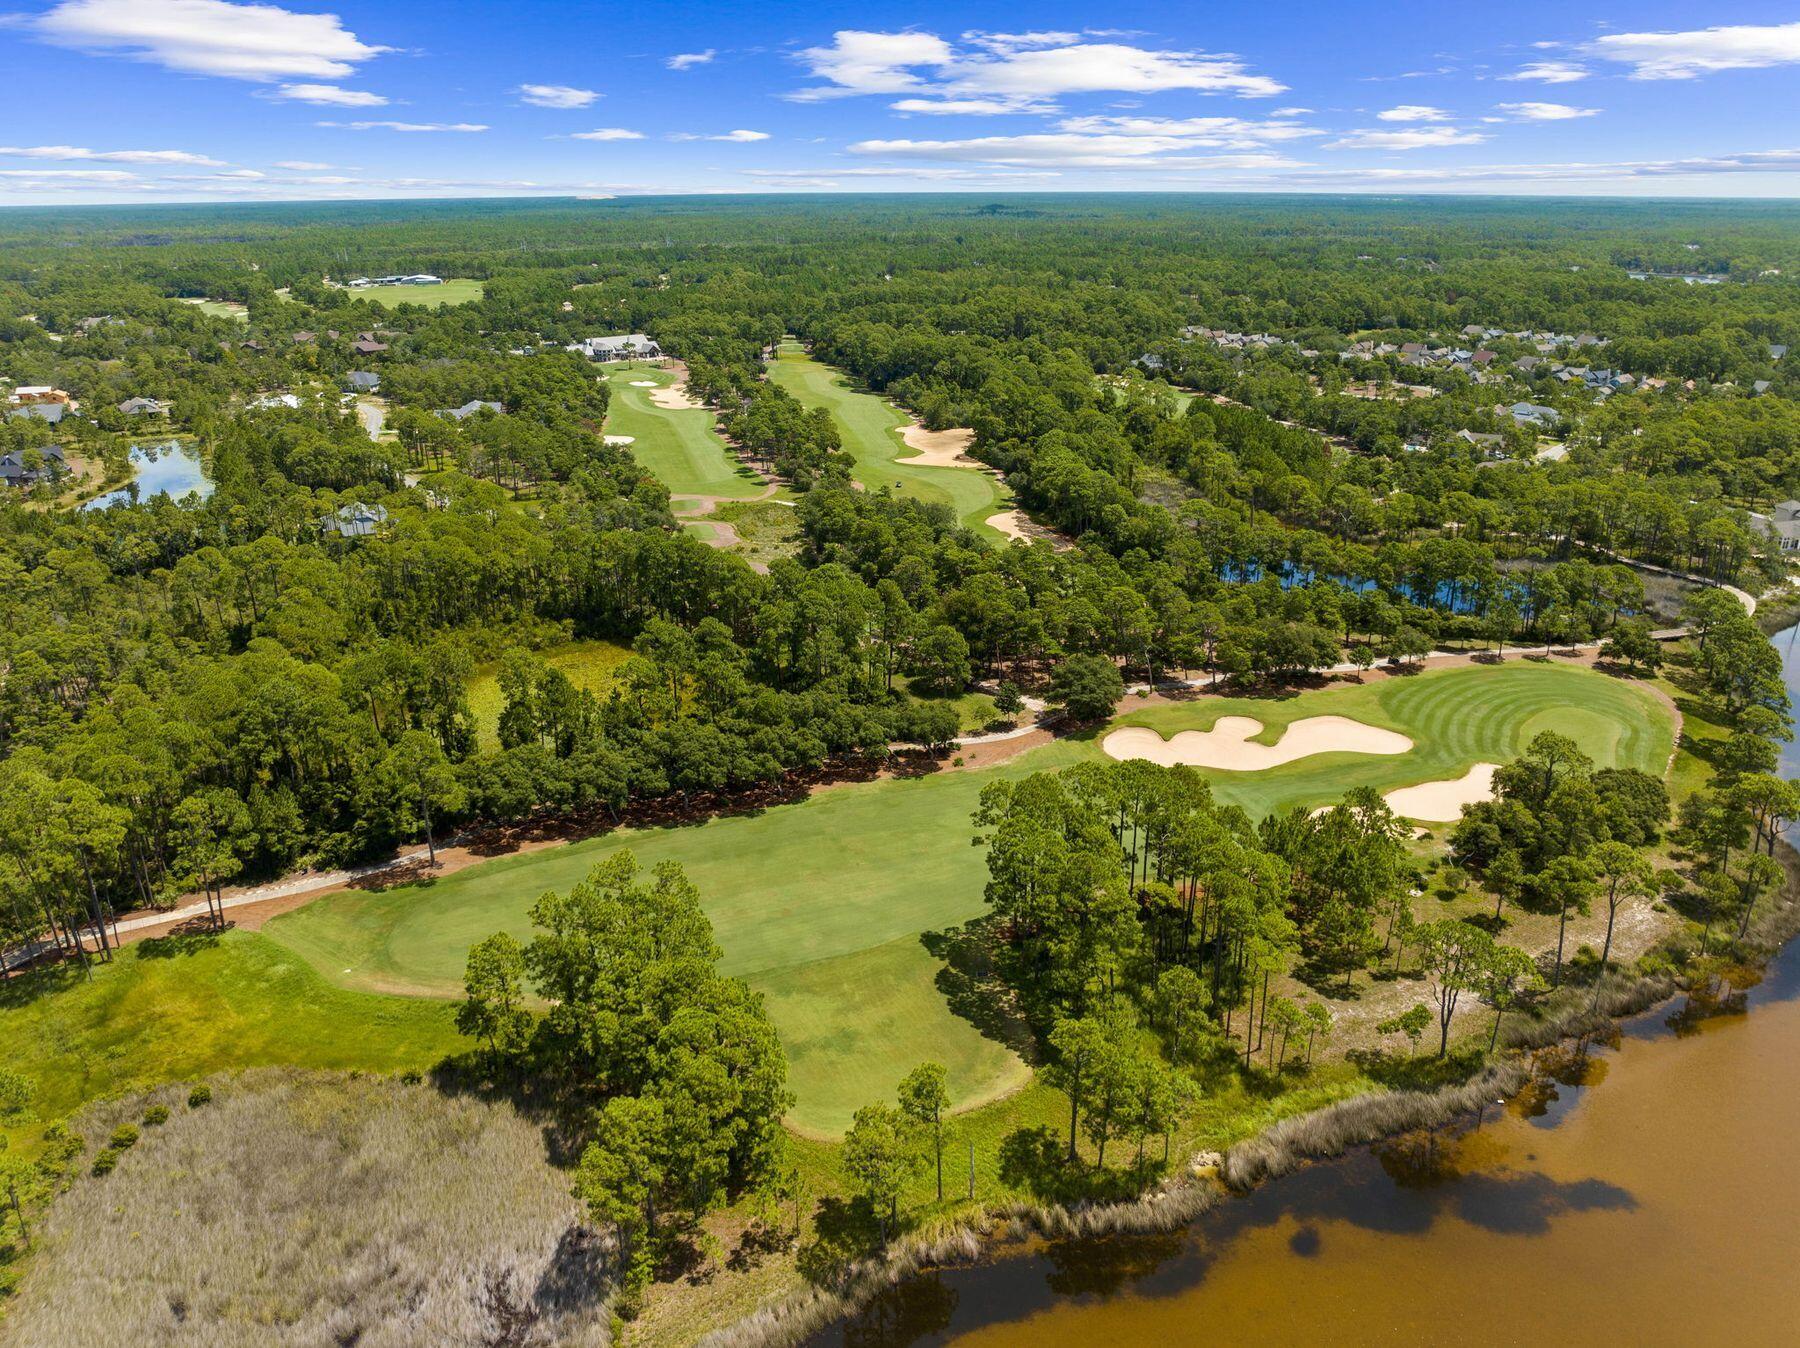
[
  {"x": 1066, "y": 151},
  {"x": 967, "y": 107},
  {"x": 406, "y": 126},
  {"x": 303, "y": 165},
  {"x": 210, "y": 37},
  {"x": 329, "y": 95},
  {"x": 1020, "y": 69},
  {"x": 688, "y": 60},
  {"x": 555, "y": 96},
  {"x": 1545, "y": 112},
  {"x": 78, "y": 153},
  {"x": 1550, "y": 72},
  {"x": 734, "y": 137},
  {"x": 1682, "y": 56},
  {"x": 1289, "y": 112},
  {"x": 1419, "y": 138},
  {"x": 77, "y": 175},
  {"x": 1231, "y": 133},
  {"x": 607, "y": 133},
  {"x": 1413, "y": 112}
]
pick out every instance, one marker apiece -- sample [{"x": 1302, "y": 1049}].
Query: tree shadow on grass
[
  {"x": 973, "y": 987},
  {"x": 190, "y": 938}
]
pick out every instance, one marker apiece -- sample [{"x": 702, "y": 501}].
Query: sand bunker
[
  {"x": 1442, "y": 802},
  {"x": 674, "y": 398},
  {"x": 619, "y": 441},
  {"x": 938, "y": 449},
  {"x": 1016, "y": 524},
  {"x": 643, "y": 383},
  {"x": 1227, "y": 745}
]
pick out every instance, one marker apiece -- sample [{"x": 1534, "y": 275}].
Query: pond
[
  {"x": 1641, "y": 1191},
  {"x": 167, "y": 468}
]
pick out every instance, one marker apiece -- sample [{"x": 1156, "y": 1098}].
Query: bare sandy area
[
  {"x": 643, "y": 383},
  {"x": 674, "y": 398},
  {"x": 1442, "y": 802},
  {"x": 619, "y": 441},
  {"x": 939, "y": 449},
  {"x": 1016, "y": 524},
  {"x": 1228, "y": 745}
]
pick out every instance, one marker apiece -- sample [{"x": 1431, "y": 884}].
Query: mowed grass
[
  {"x": 430, "y": 297},
  {"x": 181, "y": 1008},
  {"x": 800, "y": 894},
  {"x": 870, "y": 430},
  {"x": 1454, "y": 717},
  {"x": 679, "y": 446},
  {"x": 222, "y": 309},
  {"x": 589, "y": 665}
]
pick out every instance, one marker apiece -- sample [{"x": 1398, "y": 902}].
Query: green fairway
[
  {"x": 589, "y": 665},
  {"x": 796, "y": 888},
  {"x": 222, "y": 309},
  {"x": 679, "y": 446},
  {"x": 870, "y": 429},
  {"x": 431, "y": 297},
  {"x": 179, "y": 1009}
]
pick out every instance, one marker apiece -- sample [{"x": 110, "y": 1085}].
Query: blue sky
[{"x": 165, "y": 100}]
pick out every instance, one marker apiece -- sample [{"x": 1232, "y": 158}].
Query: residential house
[
  {"x": 25, "y": 468},
  {"x": 37, "y": 393},
  {"x": 1534, "y": 414},
  {"x": 363, "y": 381},
  {"x": 143, "y": 407},
  {"x": 368, "y": 346},
  {"x": 1785, "y": 526},
  {"x": 50, "y": 412},
  {"x": 469, "y": 409},
  {"x": 355, "y": 520},
  {"x": 1776, "y": 351}
]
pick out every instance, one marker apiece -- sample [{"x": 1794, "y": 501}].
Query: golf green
[
  {"x": 870, "y": 428},
  {"x": 678, "y": 445},
  {"x": 800, "y": 894}
]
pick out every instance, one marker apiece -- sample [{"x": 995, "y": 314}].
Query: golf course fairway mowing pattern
[
  {"x": 801, "y": 896},
  {"x": 679, "y": 446},
  {"x": 870, "y": 428}
]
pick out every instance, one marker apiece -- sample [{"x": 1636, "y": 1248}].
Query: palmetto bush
[{"x": 314, "y": 1209}]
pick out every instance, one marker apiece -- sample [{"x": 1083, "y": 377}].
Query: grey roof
[
  {"x": 355, "y": 520},
  {"x": 613, "y": 346},
  {"x": 13, "y": 467},
  {"x": 470, "y": 408},
  {"x": 363, "y": 379},
  {"x": 134, "y": 406},
  {"x": 50, "y": 412}
]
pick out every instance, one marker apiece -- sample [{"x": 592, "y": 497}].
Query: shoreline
[{"x": 1011, "y": 1231}]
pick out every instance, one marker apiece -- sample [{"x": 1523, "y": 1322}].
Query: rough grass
[
  {"x": 862, "y": 865},
  {"x": 185, "y": 1007},
  {"x": 870, "y": 429},
  {"x": 680, "y": 447},
  {"x": 589, "y": 665},
  {"x": 301, "y": 1209}
]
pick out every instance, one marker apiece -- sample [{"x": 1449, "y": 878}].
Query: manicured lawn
[
  {"x": 1455, "y": 718},
  {"x": 589, "y": 664},
  {"x": 223, "y": 309},
  {"x": 179, "y": 1009},
  {"x": 431, "y": 297},
  {"x": 679, "y": 446},
  {"x": 797, "y": 888},
  {"x": 869, "y": 427}
]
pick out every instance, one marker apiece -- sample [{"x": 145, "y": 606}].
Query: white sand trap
[
  {"x": 1227, "y": 745},
  {"x": 619, "y": 441},
  {"x": 643, "y": 383},
  {"x": 938, "y": 449},
  {"x": 1442, "y": 802},
  {"x": 674, "y": 398},
  {"x": 1016, "y": 524}
]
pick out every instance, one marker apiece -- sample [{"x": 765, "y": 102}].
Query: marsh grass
[{"x": 313, "y": 1208}]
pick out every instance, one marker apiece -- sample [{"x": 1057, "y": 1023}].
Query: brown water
[{"x": 1646, "y": 1193}]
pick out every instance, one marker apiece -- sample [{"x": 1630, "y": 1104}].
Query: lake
[
  {"x": 168, "y": 468},
  {"x": 1639, "y": 1192}
]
